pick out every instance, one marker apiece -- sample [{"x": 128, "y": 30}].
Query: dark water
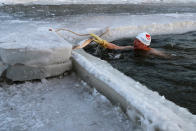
[{"x": 175, "y": 78}]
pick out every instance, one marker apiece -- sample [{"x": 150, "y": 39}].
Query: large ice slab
[
  {"x": 145, "y": 107},
  {"x": 32, "y": 52},
  {"x": 34, "y": 47},
  {"x": 25, "y": 72}
]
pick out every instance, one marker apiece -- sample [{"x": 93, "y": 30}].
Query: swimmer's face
[{"x": 136, "y": 41}]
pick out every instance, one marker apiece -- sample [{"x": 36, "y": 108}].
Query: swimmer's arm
[
  {"x": 158, "y": 53},
  {"x": 115, "y": 47},
  {"x": 108, "y": 45}
]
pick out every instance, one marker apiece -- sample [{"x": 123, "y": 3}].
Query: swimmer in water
[{"x": 141, "y": 42}]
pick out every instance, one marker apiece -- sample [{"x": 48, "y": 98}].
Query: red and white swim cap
[{"x": 144, "y": 37}]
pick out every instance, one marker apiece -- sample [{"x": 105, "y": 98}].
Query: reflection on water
[{"x": 174, "y": 78}]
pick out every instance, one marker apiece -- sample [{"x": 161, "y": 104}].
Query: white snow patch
[{"x": 56, "y": 104}]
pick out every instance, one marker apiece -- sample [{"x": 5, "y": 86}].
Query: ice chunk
[
  {"x": 34, "y": 53},
  {"x": 25, "y": 72},
  {"x": 3, "y": 67},
  {"x": 38, "y": 48}
]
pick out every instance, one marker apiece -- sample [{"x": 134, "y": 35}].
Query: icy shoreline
[{"x": 143, "y": 106}]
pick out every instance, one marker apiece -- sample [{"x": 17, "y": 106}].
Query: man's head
[
  {"x": 144, "y": 38},
  {"x": 142, "y": 41}
]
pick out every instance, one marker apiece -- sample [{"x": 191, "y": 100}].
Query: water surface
[{"x": 175, "y": 78}]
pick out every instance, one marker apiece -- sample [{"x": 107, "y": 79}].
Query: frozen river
[{"x": 46, "y": 105}]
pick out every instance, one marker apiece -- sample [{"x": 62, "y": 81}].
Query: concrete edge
[{"x": 149, "y": 115}]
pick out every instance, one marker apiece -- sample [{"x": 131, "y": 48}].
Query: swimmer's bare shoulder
[{"x": 158, "y": 53}]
